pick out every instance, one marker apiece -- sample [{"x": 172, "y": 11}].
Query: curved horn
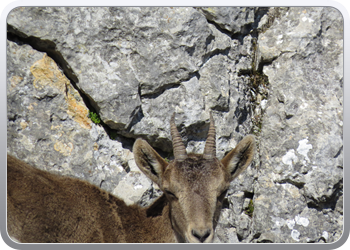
[
  {"x": 178, "y": 146},
  {"x": 210, "y": 144}
]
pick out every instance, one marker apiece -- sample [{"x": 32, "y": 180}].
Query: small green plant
[
  {"x": 95, "y": 118},
  {"x": 250, "y": 209}
]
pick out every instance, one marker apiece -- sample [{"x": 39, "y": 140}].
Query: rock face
[
  {"x": 274, "y": 72},
  {"x": 301, "y": 137}
]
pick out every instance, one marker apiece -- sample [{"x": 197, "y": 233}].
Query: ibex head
[{"x": 195, "y": 185}]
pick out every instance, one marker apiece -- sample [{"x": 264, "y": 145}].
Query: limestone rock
[
  {"x": 118, "y": 55},
  {"x": 233, "y": 19},
  {"x": 301, "y": 137},
  {"x": 48, "y": 125}
]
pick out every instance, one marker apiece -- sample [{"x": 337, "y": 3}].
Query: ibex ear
[
  {"x": 240, "y": 157},
  {"x": 149, "y": 161}
]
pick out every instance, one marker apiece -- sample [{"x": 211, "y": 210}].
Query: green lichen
[
  {"x": 250, "y": 209},
  {"x": 95, "y": 118}
]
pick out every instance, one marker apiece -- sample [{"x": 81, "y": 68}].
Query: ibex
[{"x": 43, "y": 207}]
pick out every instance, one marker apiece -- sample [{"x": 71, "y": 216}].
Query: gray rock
[
  {"x": 243, "y": 226},
  {"x": 48, "y": 126},
  {"x": 301, "y": 137},
  {"x": 233, "y": 19},
  {"x": 226, "y": 236},
  {"x": 117, "y": 55}
]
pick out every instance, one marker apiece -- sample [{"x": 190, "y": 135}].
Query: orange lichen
[{"x": 46, "y": 73}]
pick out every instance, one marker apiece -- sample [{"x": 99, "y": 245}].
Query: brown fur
[{"x": 43, "y": 207}]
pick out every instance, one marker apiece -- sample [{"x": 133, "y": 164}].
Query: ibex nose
[{"x": 201, "y": 235}]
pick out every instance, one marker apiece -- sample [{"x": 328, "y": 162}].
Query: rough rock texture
[
  {"x": 298, "y": 195},
  {"x": 48, "y": 126},
  {"x": 274, "y": 72},
  {"x": 234, "y": 20}
]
